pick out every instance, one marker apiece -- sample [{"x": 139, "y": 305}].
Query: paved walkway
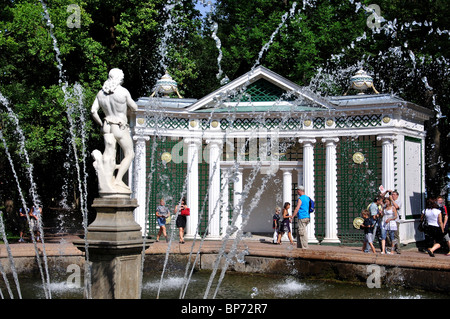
[{"x": 62, "y": 245}]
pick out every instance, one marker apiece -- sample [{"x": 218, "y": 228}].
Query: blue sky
[{"x": 202, "y": 8}]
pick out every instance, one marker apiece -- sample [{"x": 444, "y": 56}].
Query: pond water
[{"x": 238, "y": 286}]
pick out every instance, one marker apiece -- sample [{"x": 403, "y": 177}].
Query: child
[
  {"x": 285, "y": 224},
  {"x": 276, "y": 224},
  {"x": 368, "y": 230}
]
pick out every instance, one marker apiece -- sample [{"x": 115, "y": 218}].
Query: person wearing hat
[{"x": 302, "y": 210}]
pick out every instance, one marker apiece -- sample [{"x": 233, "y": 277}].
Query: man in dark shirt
[{"x": 443, "y": 209}]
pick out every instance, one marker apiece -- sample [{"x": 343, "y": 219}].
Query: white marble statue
[{"x": 114, "y": 100}]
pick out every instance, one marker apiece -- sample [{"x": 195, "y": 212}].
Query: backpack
[{"x": 311, "y": 206}]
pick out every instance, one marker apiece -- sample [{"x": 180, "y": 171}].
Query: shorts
[
  {"x": 22, "y": 224},
  {"x": 368, "y": 238},
  {"x": 161, "y": 221},
  {"x": 447, "y": 237}
]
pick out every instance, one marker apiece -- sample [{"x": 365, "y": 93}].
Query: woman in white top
[
  {"x": 388, "y": 225},
  {"x": 435, "y": 225}
]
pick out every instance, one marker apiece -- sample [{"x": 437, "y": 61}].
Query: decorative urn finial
[
  {"x": 361, "y": 81},
  {"x": 166, "y": 85}
]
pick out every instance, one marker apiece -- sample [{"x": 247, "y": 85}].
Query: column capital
[
  {"x": 192, "y": 140},
  {"x": 386, "y": 138},
  {"x": 307, "y": 141},
  {"x": 330, "y": 140},
  {"x": 214, "y": 142},
  {"x": 141, "y": 138}
]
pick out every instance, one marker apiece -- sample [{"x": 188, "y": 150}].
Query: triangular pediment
[{"x": 260, "y": 90}]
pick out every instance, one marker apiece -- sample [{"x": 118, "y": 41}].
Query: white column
[
  {"x": 224, "y": 202},
  {"x": 387, "y": 162},
  {"x": 193, "y": 145},
  {"x": 237, "y": 190},
  {"x": 400, "y": 170},
  {"x": 330, "y": 192},
  {"x": 139, "y": 177},
  {"x": 308, "y": 183},
  {"x": 240, "y": 149},
  {"x": 215, "y": 152},
  {"x": 300, "y": 180},
  {"x": 287, "y": 187},
  {"x": 287, "y": 193}
]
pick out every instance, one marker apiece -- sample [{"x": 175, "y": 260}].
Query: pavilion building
[{"x": 240, "y": 151}]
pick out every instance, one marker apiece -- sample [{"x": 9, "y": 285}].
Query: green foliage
[
  {"x": 329, "y": 35},
  {"x": 124, "y": 34}
]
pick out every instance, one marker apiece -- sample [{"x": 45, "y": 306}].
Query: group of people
[
  {"x": 34, "y": 216},
  {"x": 163, "y": 214},
  {"x": 382, "y": 218},
  {"x": 281, "y": 221},
  {"x": 381, "y": 221},
  {"x": 436, "y": 229}
]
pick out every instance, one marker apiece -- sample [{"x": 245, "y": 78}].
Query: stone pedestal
[{"x": 115, "y": 245}]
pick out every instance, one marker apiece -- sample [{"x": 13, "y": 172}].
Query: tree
[
  {"x": 306, "y": 41},
  {"x": 324, "y": 42},
  {"x": 42, "y": 64}
]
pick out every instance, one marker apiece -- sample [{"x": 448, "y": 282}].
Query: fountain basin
[{"x": 411, "y": 269}]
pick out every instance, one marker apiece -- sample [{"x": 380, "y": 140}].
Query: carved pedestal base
[{"x": 115, "y": 245}]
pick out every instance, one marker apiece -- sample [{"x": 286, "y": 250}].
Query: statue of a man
[{"x": 114, "y": 100}]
